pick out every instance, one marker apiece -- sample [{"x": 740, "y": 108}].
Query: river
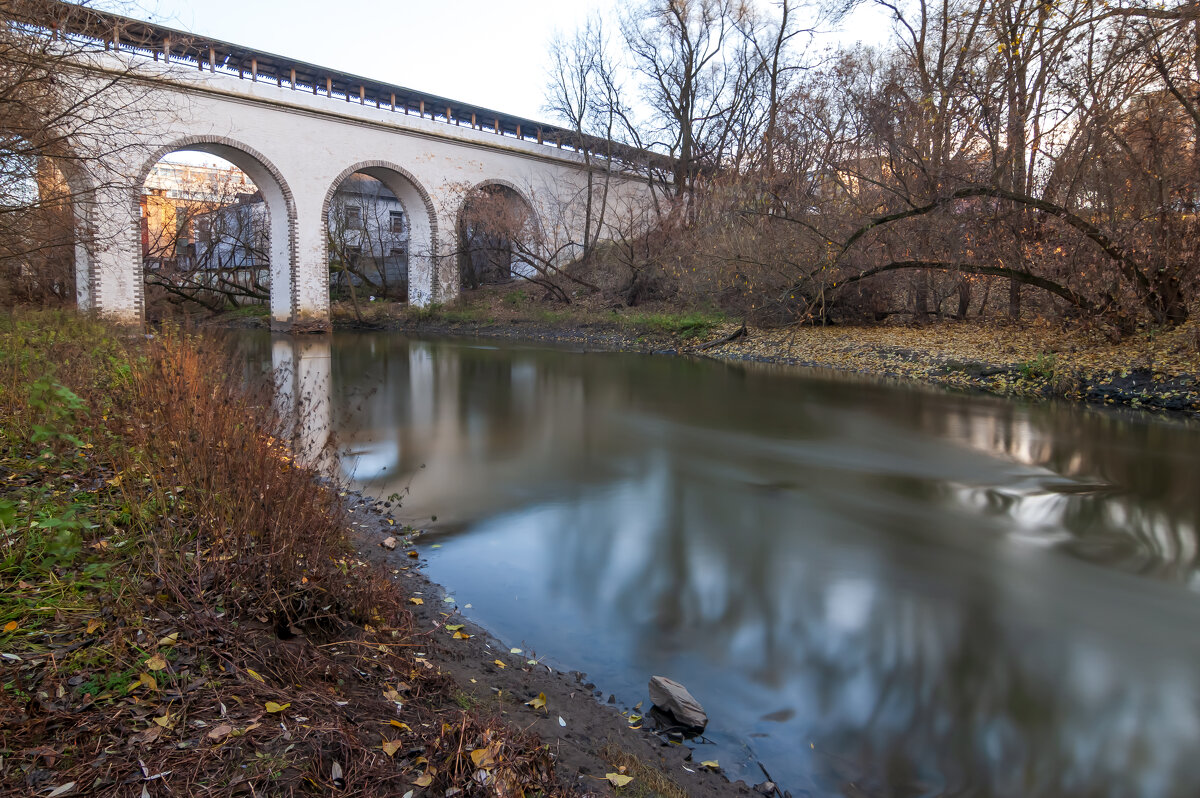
[{"x": 872, "y": 588}]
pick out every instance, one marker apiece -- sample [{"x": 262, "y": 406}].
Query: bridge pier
[{"x": 309, "y": 294}]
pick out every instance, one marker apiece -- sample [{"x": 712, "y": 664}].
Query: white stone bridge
[{"x": 298, "y": 130}]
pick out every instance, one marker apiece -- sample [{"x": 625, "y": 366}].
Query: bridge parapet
[{"x": 167, "y": 45}]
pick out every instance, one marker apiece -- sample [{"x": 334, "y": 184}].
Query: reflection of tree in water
[
  {"x": 845, "y": 546},
  {"x": 924, "y": 691}
]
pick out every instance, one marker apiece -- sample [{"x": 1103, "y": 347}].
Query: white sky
[{"x": 493, "y": 53}]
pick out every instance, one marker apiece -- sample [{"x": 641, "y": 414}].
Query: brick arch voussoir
[{"x": 289, "y": 199}]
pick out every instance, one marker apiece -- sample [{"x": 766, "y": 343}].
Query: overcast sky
[{"x": 492, "y": 53}]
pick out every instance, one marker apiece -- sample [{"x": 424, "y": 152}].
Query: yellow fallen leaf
[
  {"x": 254, "y": 674},
  {"x": 499, "y": 663},
  {"x": 11, "y": 626},
  {"x": 273, "y": 707},
  {"x": 461, "y": 636},
  {"x": 170, "y": 639},
  {"x": 486, "y": 757},
  {"x": 147, "y": 681},
  {"x": 537, "y": 703},
  {"x": 390, "y": 747},
  {"x": 94, "y": 624},
  {"x": 514, "y": 651},
  {"x": 416, "y": 601},
  {"x": 453, "y": 627},
  {"x": 156, "y": 663},
  {"x": 711, "y": 764},
  {"x": 618, "y": 779},
  {"x": 425, "y": 780},
  {"x": 164, "y": 721},
  {"x": 400, "y": 725}
]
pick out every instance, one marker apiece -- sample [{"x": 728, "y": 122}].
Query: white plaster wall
[{"x": 307, "y": 142}]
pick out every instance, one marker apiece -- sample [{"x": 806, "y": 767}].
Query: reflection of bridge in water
[{"x": 856, "y": 566}]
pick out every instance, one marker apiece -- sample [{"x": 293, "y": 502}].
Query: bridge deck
[{"x": 159, "y": 42}]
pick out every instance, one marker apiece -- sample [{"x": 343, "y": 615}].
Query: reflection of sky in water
[{"x": 893, "y": 589}]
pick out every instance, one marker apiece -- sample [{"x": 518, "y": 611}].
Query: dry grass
[
  {"x": 180, "y": 609},
  {"x": 648, "y": 781}
]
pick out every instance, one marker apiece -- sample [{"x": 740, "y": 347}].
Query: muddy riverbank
[{"x": 587, "y": 731}]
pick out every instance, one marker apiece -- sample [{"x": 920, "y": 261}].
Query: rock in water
[{"x": 672, "y": 697}]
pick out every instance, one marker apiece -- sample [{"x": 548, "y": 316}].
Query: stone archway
[
  {"x": 490, "y": 216},
  {"x": 422, "y": 222},
  {"x": 281, "y": 211}
]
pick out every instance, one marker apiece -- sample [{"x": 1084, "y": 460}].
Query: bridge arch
[
  {"x": 474, "y": 245},
  {"x": 45, "y": 180},
  {"x": 422, "y": 221},
  {"x": 281, "y": 212}
]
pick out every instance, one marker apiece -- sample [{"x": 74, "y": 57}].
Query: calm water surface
[{"x": 873, "y": 590}]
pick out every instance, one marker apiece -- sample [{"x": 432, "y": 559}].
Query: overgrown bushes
[{"x": 179, "y": 602}]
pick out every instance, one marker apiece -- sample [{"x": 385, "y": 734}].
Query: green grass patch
[{"x": 694, "y": 324}]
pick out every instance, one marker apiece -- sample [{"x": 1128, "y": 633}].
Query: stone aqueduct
[{"x": 298, "y": 130}]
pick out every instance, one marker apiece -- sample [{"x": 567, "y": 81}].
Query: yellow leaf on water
[
  {"x": 156, "y": 663},
  {"x": 538, "y": 703},
  {"x": 499, "y": 663},
  {"x": 514, "y": 651},
  {"x": 416, "y": 601},
  {"x": 11, "y": 626},
  {"x": 390, "y": 747},
  {"x": 254, "y": 675},
  {"x": 711, "y": 764},
  {"x": 618, "y": 779},
  {"x": 273, "y": 707}
]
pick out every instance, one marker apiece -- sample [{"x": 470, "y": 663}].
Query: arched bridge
[{"x": 298, "y": 130}]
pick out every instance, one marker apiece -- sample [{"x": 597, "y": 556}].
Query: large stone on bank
[{"x": 673, "y": 698}]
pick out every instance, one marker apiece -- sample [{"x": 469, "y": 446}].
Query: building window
[
  {"x": 203, "y": 231},
  {"x": 354, "y": 218},
  {"x": 396, "y": 220}
]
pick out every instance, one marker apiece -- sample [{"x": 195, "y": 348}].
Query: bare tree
[
  {"x": 206, "y": 240},
  {"x": 59, "y": 117},
  {"x": 368, "y": 239}
]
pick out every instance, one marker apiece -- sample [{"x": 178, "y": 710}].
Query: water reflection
[{"x": 873, "y": 590}]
